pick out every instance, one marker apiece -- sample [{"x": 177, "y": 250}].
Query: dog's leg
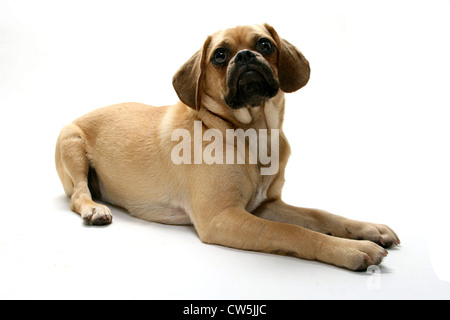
[
  {"x": 237, "y": 228},
  {"x": 72, "y": 165},
  {"x": 325, "y": 222}
]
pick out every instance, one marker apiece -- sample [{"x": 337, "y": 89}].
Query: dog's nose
[{"x": 244, "y": 56}]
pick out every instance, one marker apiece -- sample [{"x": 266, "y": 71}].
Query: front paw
[
  {"x": 351, "y": 254},
  {"x": 378, "y": 233},
  {"x": 359, "y": 255}
]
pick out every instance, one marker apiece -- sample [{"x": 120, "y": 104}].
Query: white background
[{"x": 369, "y": 134}]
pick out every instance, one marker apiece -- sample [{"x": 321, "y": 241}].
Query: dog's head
[{"x": 240, "y": 67}]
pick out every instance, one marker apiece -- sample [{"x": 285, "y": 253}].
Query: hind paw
[{"x": 97, "y": 215}]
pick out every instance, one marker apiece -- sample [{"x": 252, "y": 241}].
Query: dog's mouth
[{"x": 250, "y": 85}]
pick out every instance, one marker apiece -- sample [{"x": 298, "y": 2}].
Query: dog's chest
[{"x": 260, "y": 193}]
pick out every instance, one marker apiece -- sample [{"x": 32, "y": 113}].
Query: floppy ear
[
  {"x": 188, "y": 80},
  {"x": 293, "y": 68}
]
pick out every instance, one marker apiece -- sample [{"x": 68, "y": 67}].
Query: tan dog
[{"x": 123, "y": 155}]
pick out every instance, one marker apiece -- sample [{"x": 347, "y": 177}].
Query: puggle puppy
[{"x": 131, "y": 155}]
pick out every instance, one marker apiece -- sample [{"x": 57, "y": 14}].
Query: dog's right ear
[
  {"x": 188, "y": 81},
  {"x": 293, "y": 68}
]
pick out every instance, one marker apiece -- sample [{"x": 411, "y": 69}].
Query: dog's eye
[
  {"x": 220, "y": 56},
  {"x": 264, "y": 46}
]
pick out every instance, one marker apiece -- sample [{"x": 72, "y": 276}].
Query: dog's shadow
[{"x": 120, "y": 216}]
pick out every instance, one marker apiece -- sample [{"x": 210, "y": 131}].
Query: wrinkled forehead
[{"x": 239, "y": 38}]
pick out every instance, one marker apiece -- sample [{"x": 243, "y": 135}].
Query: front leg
[
  {"x": 325, "y": 222},
  {"x": 237, "y": 228}
]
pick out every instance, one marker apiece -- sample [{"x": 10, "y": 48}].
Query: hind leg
[{"x": 72, "y": 165}]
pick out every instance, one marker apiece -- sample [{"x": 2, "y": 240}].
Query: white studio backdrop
[{"x": 369, "y": 133}]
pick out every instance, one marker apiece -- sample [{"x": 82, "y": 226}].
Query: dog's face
[{"x": 240, "y": 67}]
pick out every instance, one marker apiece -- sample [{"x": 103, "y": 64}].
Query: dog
[{"x": 123, "y": 155}]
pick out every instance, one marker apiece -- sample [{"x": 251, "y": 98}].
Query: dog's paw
[
  {"x": 97, "y": 215},
  {"x": 378, "y": 233},
  {"x": 359, "y": 255}
]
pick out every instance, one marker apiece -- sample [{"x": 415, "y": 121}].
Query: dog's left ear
[
  {"x": 188, "y": 80},
  {"x": 293, "y": 68}
]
